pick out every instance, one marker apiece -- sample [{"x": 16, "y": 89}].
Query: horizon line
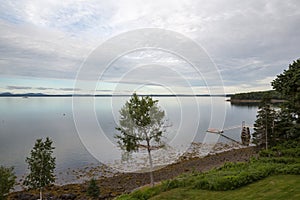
[{"x": 8, "y": 94}]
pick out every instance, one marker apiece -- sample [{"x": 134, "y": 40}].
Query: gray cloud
[
  {"x": 69, "y": 89},
  {"x": 250, "y": 41},
  {"x": 44, "y": 88},
  {"x": 13, "y": 87}
]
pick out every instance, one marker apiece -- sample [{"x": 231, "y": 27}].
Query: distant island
[{"x": 8, "y": 94}]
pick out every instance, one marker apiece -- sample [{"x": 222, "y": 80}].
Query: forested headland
[{"x": 257, "y": 96}]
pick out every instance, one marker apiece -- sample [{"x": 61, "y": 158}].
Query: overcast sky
[{"x": 43, "y": 43}]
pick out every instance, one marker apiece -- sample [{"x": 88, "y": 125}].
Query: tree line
[{"x": 259, "y": 95}]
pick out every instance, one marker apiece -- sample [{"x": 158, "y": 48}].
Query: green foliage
[
  {"x": 93, "y": 190},
  {"x": 171, "y": 184},
  {"x": 141, "y": 123},
  {"x": 146, "y": 194},
  {"x": 7, "y": 181},
  {"x": 264, "y": 124},
  {"x": 289, "y": 169},
  {"x": 280, "y": 159},
  {"x": 280, "y": 187},
  {"x": 41, "y": 164},
  {"x": 257, "y": 95},
  {"x": 230, "y": 178},
  {"x": 290, "y": 149},
  {"x": 141, "y": 194},
  {"x": 288, "y": 85}
]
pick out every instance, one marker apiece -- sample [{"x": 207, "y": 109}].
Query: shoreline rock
[{"x": 118, "y": 184}]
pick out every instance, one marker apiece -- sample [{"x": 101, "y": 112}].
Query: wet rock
[
  {"x": 70, "y": 196},
  {"x": 126, "y": 182},
  {"x": 50, "y": 197},
  {"x": 26, "y": 196},
  {"x": 105, "y": 196}
]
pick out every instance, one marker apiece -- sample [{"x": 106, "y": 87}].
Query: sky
[{"x": 45, "y": 43}]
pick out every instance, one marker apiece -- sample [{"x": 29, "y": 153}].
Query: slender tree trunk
[
  {"x": 41, "y": 188},
  {"x": 41, "y": 194},
  {"x": 151, "y": 168},
  {"x": 151, "y": 163},
  {"x": 266, "y": 131}
]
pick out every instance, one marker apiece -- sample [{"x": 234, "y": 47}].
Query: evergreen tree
[
  {"x": 142, "y": 125},
  {"x": 41, "y": 164},
  {"x": 288, "y": 85},
  {"x": 7, "y": 181},
  {"x": 264, "y": 133},
  {"x": 93, "y": 190}
]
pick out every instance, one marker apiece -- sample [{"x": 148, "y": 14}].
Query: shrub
[
  {"x": 289, "y": 169},
  {"x": 93, "y": 190}
]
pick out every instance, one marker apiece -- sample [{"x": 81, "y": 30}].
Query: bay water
[{"x": 64, "y": 120}]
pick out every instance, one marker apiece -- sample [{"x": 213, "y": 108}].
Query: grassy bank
[
  {"x": 274, "y": 187},
  {"x": 280, "y": 160}
]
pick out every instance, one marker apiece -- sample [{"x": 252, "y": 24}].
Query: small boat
[{"x": 214, "y": 130}]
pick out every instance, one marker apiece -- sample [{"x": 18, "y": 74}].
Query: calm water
[{"x": 23, "y": 120}]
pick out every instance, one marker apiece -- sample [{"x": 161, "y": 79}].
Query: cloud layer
[{"x": 249, "y": 41}]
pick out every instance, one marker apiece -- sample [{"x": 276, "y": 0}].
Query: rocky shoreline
[{"x": 111, "y": 187}]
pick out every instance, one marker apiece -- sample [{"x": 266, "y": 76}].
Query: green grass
[
  {"x": 274, "y": 175},
  {"x": 274, "y": 187}
]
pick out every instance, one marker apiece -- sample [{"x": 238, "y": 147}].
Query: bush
[
  {"x": 170, "y": 184},
  {"x": 286, "y": 149},
  {"x": 232, "y": 176},
  {"x": 143, "y": 194},
  {"x": 93, "y": 190},
  {"x": 282, "y": 160},
  {"x": 289, "y": 169}
]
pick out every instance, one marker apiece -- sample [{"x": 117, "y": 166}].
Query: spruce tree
[
  {"x": 93, "y": 190},
  {"x": 41, "y": 164},
  {"x": 288, "y": 85},
  {"x": 264, "y": 133}
]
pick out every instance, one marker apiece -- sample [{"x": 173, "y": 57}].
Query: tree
[
  {"x": 7, "y": 181},
  {"x": 264, "y": 133},
  {"x": 41, "y": 164},
  {"x": 93, "y": 190},
  {"x": 288, "y": 85},
  {"x": 142, "y": 125}
]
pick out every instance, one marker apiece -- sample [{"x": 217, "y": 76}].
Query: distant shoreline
[
  {"x": 254, "y": 100},
  {"x": 27, "y": 95}
]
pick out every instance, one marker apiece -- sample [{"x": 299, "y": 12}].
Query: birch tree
[
  {"x": 41, "y": 164},
  {"x": 142, "y": 125}
]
